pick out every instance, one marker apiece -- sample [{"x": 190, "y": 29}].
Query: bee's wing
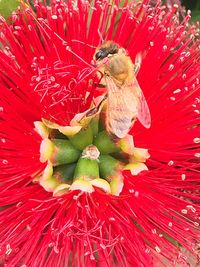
[
  {"x": 120, "y": 108},
  {"x": 143, "y": 113}
]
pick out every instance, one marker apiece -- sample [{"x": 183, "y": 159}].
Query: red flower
[{"x": 47, "y": 74}]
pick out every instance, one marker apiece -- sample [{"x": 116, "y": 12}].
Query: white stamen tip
[{"x": 196, "y": 140}]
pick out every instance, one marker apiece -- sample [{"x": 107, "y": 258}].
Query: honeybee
[{"x": 124, "y": 97}]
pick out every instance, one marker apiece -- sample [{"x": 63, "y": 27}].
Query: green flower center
[{"x": 84, "y": 157}]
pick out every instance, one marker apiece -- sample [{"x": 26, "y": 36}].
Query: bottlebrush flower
[{"x": 70, "y": 195}]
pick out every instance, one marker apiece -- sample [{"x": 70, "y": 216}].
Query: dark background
[
  {"x": 194, "y": 6},
  {"x": 191, "y": 4}
]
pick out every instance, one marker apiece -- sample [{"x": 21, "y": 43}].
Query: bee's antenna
[{"x": 78, "y": 41}]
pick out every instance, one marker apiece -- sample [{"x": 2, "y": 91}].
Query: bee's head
[
  {"x": 101, "y": 54},
  {"x": 107, "y": 49}
]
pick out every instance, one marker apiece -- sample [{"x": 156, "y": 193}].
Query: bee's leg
[
  {"x": 91, "y": 112},
  {"x": 113, "y": 137},
  {"x": 97, "y": 109},
  {"x": 136, "y": 68},
  {"x": 100, "y": 85},
  {"x": 137, "y": 64}
]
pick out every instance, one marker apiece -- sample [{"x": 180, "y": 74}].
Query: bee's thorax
[{"x": 120, "y": 67}]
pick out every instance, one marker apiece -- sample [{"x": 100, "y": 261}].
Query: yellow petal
[
  {"x": 36, "y": 179},
  {"x": 69, "y": 130},
  {"x": 49, "y": 185},
  {"x": 82, "y": 185},
  {"x": 127, "y": 144},
  {"x": 66, "y": 130},
  {"x": 136, "y": 167},
  {"x": 101, "y": 183},
  {"x": 50, "y": 124},
  {"x": 46, "y": 150},
  {"x": 140, "y": 154},
  {"x": 116, "y": 184},
  {"x": 48, "y": 172},
  {"x": 41, "y": 129},
  {"x": 61, "y": 189},
  {"x": 81, "y": 120}
]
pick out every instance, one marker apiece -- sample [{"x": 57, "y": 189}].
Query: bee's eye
[{"x": 100, "y": 54}]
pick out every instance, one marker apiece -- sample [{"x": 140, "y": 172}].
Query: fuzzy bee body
[{"x": 125, "y": 100}]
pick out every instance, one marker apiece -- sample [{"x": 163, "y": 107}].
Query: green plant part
[
  {"x": 64, "y": 152},
  {"x": 82, "y": 138},
  {"x": 7, "y": 7},
  {"x": 105, "y": 143},
  {"x": 108, "y": 166},
  {"x": 95, "y": 125},
  {"x": 64, "y": 173},
  {"x": 87, "y": 167},
  {"x": 80, "y": 158}
]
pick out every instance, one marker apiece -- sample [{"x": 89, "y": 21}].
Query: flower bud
[
  {"x": 64, "y": 173},
  {"x": 104, "y": 143},
  {"x": 82, "y": 138},
  {"x": 95, "y": 125},
  {"x": 108, "y": 166},
  {"x": 64, "y": 152},
  {"x": 87, "y": 166}
]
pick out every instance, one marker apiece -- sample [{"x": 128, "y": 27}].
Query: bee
[{"x": 124, "y": 97}]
